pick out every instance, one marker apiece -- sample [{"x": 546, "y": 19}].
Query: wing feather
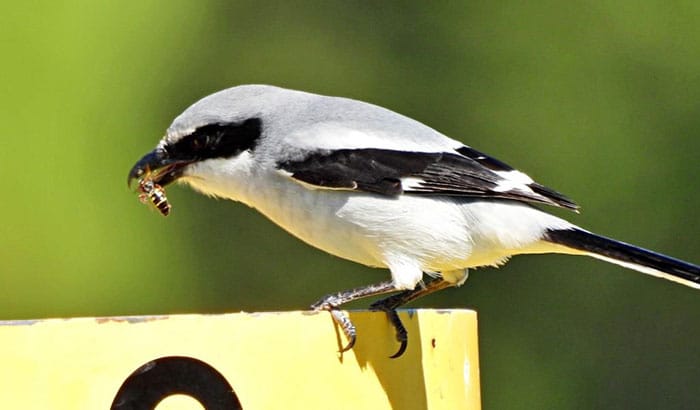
[{"x": 463, "y": 172}]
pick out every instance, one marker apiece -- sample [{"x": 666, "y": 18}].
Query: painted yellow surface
[{"x": 272, "y": 360}]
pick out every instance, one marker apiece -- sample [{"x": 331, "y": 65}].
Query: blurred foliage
[{"x": 600, "y": 100}]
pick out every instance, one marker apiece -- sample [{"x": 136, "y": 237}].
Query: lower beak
[{"x": 158, "y": 166}]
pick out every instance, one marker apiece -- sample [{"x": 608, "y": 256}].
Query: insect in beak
[{"x": 155, "y": 194}]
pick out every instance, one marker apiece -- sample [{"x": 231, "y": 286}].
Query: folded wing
[{"x": 464, "y": 172}]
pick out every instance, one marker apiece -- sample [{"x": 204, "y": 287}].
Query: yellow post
[{"x": 270, "y": 360}]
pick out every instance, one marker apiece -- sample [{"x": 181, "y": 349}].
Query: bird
[{"x": 372, "y": 186}]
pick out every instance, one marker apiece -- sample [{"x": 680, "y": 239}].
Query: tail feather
[{"x": 627, "y": 255}]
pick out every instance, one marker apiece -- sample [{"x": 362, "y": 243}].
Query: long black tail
[{"x": 627, "y": 255}]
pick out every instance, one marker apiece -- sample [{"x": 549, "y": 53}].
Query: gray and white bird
[{"x": 372, "y": 186}]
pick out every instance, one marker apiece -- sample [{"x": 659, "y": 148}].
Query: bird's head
[{"x": 211, "y": 141}]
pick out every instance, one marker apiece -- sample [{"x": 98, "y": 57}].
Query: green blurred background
[{"x": 599, "y": 100}]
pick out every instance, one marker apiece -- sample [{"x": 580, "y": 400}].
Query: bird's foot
[
  {"x": 387, "y": 306},
  {"x": 330, "y": 303},
  {"x": 333, "y": 301}
]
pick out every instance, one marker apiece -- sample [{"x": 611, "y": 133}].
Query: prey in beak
[{"x": 154, "y": 171}]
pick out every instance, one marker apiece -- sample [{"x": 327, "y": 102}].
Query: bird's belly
[
  {"x": 369, "y": 229},
  {"x": 314, "y": 217}
]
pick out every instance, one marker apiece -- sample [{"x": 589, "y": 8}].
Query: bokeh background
[{"x": 597, "y": 99}]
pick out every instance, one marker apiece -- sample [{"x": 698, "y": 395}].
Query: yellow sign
[{"x": 247, "y": 360}]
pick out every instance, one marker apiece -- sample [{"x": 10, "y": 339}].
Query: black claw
[
  {"x": 351, "y": 343},
  {"x": 401, "y": 332},
  {"x": 400, "y": 352},
  {"x": 386, "y": 306}
]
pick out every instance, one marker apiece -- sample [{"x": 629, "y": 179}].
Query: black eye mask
[{"x": 217, "y": 141}]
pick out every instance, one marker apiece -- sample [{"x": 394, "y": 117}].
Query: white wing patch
[
  {"x": 513, "y": 180},
  {"x": 410, "y": 183},
  {"x": 515, "y": 176}
]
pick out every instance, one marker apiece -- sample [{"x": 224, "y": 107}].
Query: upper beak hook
[{"x": 151, "y": 161}]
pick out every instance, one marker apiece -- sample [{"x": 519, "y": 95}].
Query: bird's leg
[
  {"x": 334, "y": 300},
  {"x": 389, "y": 305}
]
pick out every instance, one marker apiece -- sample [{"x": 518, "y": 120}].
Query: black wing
[{"x": 466, "y": 172}]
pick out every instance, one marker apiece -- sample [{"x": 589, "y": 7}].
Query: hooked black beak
[{"x": 160, "y": 168}]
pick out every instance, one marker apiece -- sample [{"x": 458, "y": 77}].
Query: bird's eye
[{"x": 198, "y": 142}]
